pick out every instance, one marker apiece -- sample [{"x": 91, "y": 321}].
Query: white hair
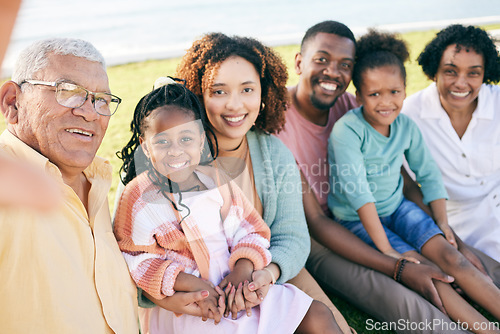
[{"x": 35, "y": 57}]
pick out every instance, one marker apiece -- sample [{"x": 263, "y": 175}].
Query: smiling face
[
  {"x": 233, "y": 101},
  {"x": 67, "y": 137},
  {"x": 382, "y": 95},
  {"x": 459, "y": 79},
  {"x": 325, "y": 68},
  {"x": 173, "y": 141}
]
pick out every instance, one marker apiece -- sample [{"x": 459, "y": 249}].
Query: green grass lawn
[{"x": 132, "y": 81}]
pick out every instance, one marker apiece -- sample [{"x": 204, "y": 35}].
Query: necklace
[{"x": 233, "y": 162}]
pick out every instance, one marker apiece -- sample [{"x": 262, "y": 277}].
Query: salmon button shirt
[{"x": 62, "y": 271}]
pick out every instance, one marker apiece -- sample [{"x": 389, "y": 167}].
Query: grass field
[{"x": 132, "y": 81}]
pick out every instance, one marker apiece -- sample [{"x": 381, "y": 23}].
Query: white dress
[{"x": 281, "y": 311}]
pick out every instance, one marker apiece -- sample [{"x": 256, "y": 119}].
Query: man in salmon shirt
[{"x": 61, "y": 270}]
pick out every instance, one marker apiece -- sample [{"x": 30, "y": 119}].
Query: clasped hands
[{"x": 242, "y": 289}]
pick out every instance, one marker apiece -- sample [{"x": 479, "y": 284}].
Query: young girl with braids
[
  {"x": 366, "y": 150},
  {"x": 183, "y": 225}
]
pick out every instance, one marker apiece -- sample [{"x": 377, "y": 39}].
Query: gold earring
[{"x": 262, "y": 106}]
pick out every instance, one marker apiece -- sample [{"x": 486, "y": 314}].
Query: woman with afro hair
[{"x": 458, "y": 115}]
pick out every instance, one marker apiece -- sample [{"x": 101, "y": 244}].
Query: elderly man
[{"x": 61, "y": 271}]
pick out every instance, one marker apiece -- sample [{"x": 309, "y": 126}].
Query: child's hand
[
  {"x": 242, "y": 272},
  {"x": 212, "y": 306},
  {"x": 253, "y": 293},
  {"x": 235, "y": 300},
  {"x": 448, "y": 234},
  {"x": 233, "y": 287},
  {"x": 438, "y": 208},
  {"x": 395, "y": 254}
]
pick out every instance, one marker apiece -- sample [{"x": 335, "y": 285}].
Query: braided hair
[
  {"x": 376, "y": 49},
  {"x": 176, "y": 95},
  {"x": 168, "y": 95}
]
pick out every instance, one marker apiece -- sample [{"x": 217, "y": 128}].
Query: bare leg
[
  {"x": 318, "y": 319},
  {"x": 305, "y": 282},
  {"x": 457, "y": 308},
  {"x": 471, "y": 281}
]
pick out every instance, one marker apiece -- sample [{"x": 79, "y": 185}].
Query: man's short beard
[{"x": 321, "y": 105}]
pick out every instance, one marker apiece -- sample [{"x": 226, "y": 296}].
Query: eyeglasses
[{"x": 73, "y": 96}]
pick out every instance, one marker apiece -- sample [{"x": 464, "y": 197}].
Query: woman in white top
[{"x": 459, "y": 117}]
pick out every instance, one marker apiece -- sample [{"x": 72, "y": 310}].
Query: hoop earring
[{"x": 262, "y": 106}]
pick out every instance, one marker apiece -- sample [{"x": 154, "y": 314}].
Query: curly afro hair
[
  {"x": 376, "y": 49},
  {"x": 200, "y": 64},
  {"x": 468, "y": 37}
]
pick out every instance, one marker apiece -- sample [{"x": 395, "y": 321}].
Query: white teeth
[
  {"x": 234, "y": 119},
  {"x": 385, "y": 113},
  {"x": 85, "y": 133},
  {"x": 458, "y": 94},
  {"x": 179, "y": 165},
  {"x": 328, "y": 86}
]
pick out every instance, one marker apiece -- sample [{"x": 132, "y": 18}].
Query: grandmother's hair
[
  {"x": 466, "y": 37},
  {"x": 170, "y": 95},
  {"x": 376, "y": 49},
  {"x": 35, "y": 57},
  {"x": 200, "y": 64},
  {"x": 329, "y": 27}
]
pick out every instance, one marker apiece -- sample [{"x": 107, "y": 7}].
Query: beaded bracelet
[{"x": 398, "y": 269}]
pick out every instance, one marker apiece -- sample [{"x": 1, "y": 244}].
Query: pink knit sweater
[{"x": 156, "y": 247}]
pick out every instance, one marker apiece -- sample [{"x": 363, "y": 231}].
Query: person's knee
[
  {"x": 318, "y": 319},
  {"x": 453, "y": 260}
]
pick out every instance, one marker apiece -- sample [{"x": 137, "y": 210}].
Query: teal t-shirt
[{"x": 365, "y": 166}]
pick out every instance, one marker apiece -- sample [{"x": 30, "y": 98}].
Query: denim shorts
[{"x": 408, "y": 228}]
